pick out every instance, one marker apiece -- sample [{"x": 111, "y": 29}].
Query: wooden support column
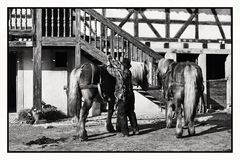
[
  {"x": 37, "y": 65},
  {"x": 196, "y": 25},
  {"x": 102, "y": 26},
  {"x": 78, "y": 36},
  {"x": 167, "y": 23},
  {"x": 136, "y": 25},
  {"x": 202, "y": 62},
  {"x": 228, "y": 76}
]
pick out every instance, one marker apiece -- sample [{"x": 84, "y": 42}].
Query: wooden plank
[
  {"x": 150, "y": 24},
  {"x": 111, "y": 43},
  {"x": 136, "y": 25},
  {"x": 20, "y": 44},
  {"x": 167, "y": 23},
  {"x": 94, "y": 52},
  {"x": 59, "y": 41},
  {"x": 37, "y": 64},
  {"x": 152, "y": 39},
  {"x": 123, "y": 33},
  {"x": 52, "y": 22},
  {"x": 218, "y": 23},
  {"x": 172, "y": 21},
  {"x": 78, "y": 37},
  {"x": 196, "y": 25},
  {"x": 21, "y": 33},
  {"x": 124, "y": 20},
  {"x": 182, "y": 29},
  {"x": 195, "y": 51}
]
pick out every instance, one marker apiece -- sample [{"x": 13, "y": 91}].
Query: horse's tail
[
  {"x": 190, "y": 93},
  {"x": 74, "y": 95}
]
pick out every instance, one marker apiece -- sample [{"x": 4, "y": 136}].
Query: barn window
[{"x": 60, "y": 59}]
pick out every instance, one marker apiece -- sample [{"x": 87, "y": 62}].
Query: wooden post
[
  {"x": 196, "y": 25},
  {"x": 136, "y": 25},
  {"x": 167, "y": 23},
  {"x": 37, "y": 65},
  {"x": 202, "y": 62},
  {"x": 228, "y": 76},
  {"x": 78, "y": 36}
]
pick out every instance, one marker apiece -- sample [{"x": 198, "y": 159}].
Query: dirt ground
[{"x": 213, "y": 133}]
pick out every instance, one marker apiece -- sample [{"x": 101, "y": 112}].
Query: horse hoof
[
  {"x": 191, "y": 132},
  {"x": 178, "y": 136},
  {"x": 83, "y": 139},
  {"x": 110, "y": 129},
  {"x": 179, "y": 133},
  {"x": 168, "y": 125}
]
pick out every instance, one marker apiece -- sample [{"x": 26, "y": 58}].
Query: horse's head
[{"x": 140, "y": 74}]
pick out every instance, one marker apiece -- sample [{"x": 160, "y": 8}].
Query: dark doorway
[
  {"x": 187, "y": 57},
  {"x": 12, "y": 73},
  {"x": 216, "y": 66}
]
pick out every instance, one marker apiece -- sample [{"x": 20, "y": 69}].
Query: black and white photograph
[{"x": 132, "y": 79}]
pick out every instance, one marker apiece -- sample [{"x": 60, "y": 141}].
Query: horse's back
[{"x": 89, "y": 74}]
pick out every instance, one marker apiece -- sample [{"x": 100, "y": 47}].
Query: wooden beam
[
  {"x": 94, "y": 52},
  {"x": 196, "y": 25},
  {"x": 102, "y": 26},
  {"x": 21, "y": 33},
  {"x": 172, "y": 21},
  {"x": 21, "y": 44},
  {"x": 59, "y": 41},
  {"x": 218, "y": 23},
  {"x": 195, "y": 51},
  {"x": 126, "y": 18},
  {"x": 182, "y": 29},
  {"x": 78, "y": 36},
  {"x": 151, "y": 39},
  {"x": 37, "y": 64},
  {"x": 150, "y": 24},
  {"x": 167, "y": 23},
  {"x": 136, "y": 24}
]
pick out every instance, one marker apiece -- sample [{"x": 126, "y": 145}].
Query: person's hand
[{"x": 109, "y": 57}]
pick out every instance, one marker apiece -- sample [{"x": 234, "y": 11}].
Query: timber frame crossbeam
[{"x": 192, "y": 20}]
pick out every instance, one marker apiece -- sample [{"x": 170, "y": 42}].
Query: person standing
[{"x": 125, "y": 99}]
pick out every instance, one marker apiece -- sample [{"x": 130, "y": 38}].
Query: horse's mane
[
  {"x": 164, "y": 64},
  {"x": 137, "y": 71}
]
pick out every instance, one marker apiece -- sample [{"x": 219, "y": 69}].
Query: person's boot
[{"x": 135, "y": 131}]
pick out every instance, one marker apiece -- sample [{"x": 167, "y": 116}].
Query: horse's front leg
[
  {"x": 109, "y": 125},
  {"x": 82, "y": 133}
]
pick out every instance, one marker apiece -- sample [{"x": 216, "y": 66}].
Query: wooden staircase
[{"x": 111, "y": 39}]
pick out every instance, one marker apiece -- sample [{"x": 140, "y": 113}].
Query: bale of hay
[
  {"x": 48, "y": 112},
  {"x": 26, "y": 116}
]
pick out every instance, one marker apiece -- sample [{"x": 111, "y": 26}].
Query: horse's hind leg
[
  {"x": 179, "y": 129},
  {"x": 83, "y": 116},
  {"x": 169, "y": 114},
  {"x": 191, "y": 127},
  {"x": 109, "y": 125}
]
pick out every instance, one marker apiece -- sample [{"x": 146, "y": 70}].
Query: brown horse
[
  {"x": 183, "y": 86},
  {"x": 90, "y": 82}
]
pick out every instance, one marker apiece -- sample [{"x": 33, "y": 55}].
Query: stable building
[{"x": 46, "y": 44}]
